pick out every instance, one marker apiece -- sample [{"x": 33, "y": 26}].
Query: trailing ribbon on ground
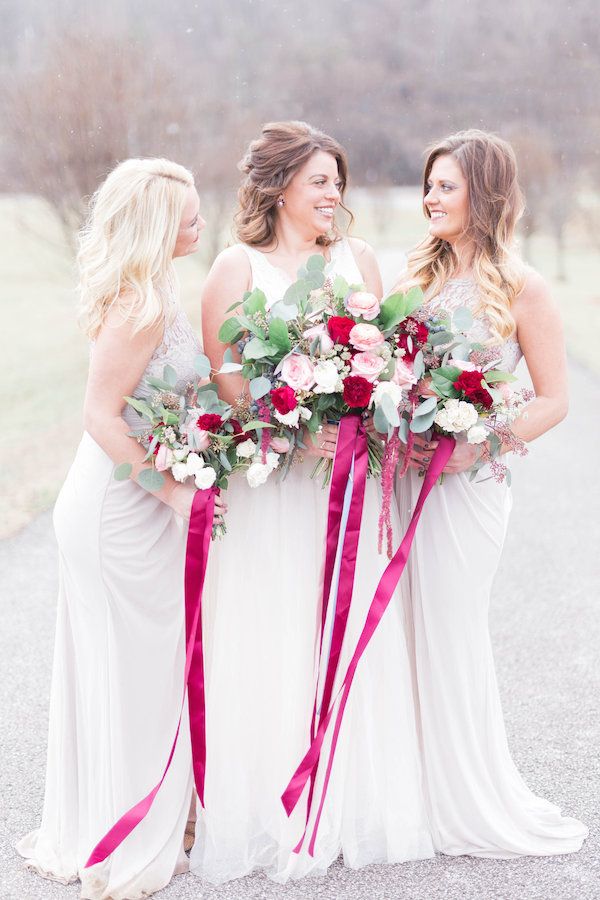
[
  {"x": 196, "y": 559},
  {"x": 385, "y": 590}
]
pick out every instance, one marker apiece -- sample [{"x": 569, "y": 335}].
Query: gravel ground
[{"x": 546, "y": 632}]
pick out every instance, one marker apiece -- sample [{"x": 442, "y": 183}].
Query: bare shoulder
[
  {"x": 535, "y": 297},
  {"x": 230, "y": 275},
  {"x": 360, "y": 249},
  {"x": 120, "y": 324}
]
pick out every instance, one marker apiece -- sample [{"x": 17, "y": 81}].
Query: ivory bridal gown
[
  {"x": 117, "y": 678},
  {"x": 478, "y": 803},
  {"x": 262, "y": 616}
]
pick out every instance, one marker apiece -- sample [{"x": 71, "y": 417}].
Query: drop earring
[{"x": 280, "y": 201}]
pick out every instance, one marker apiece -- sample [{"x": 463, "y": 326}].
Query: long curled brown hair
[
  {"x": 495, "y": 205},
  {"x": 269, "y": 165}
]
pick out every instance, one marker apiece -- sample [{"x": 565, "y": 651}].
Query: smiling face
[
  {"x": 447, "y": 200},
  {"x": 191, "y": 225},
  {"x": 313, "y": 194}
]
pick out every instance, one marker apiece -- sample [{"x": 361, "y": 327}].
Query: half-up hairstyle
[
  {"x": 268, "y": 166},
  {"x": 495, "y": 206}
]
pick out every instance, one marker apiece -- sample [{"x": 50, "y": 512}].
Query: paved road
[{"x": 546, "y": 629}]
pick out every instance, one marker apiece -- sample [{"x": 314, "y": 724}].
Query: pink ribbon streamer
[
  {"x": 196, "y": 559},
  {"x": 351, "y": 447},
  {"x": 383, "y": 595}
]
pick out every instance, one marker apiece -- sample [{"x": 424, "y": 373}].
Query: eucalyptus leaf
[
  {"x": 230, "y": 331},
  {"x": 403, "y": 430},
  {"x": 380, "y": 420},
  {"x": 426, "y": 406},
  {"x": 256, "y": 348},
  {"x": 419, "y": 365},
  {"x": 340, "y": 287},
  {"x": 150, "y": 480},
  {"x": 496, "y": 375},
  {"x": 140, "y": 406},
  {"x": 316, "y": 261},
  {"x": 158, "y": 384},
  {"x": 278, "y": 335},
  {"x": 256, "y": 302},
  {"x": 440, "y": 338},
  {"x": 461, "y": 351},
  {"x": 202, "y": 365},
  {"x": 297, "y": 293},
  {"x": 419, "y": 424},
  {"x": 390, "y": 410},
  {"x": 229, "y": 367},
  {"x": 234, "y": 306},
  {"x": 228, "y": 355},
  {"x": 224, "y": 461},
  {"x": 255, "y": 424},
  {"x": 259, "y": 387},
  {"x": 462, "y": 318},
  {"x": 123, "y": 472},
  {"x": 285, "y": 311},
  {"x": 170, "y": 375}
]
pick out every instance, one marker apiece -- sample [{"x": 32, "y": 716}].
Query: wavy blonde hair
[
  {"x": 495, "y": 206},
  {"x": 128, "y": 241},
  {"x": 269, "y": 165}
]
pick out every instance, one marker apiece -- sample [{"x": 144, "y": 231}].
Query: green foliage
[
  {"x": 202, "y": 366},
  {"x": 278, "y": 335},
  {"x": 259, "y": 387},
  {"x": 123, "y": 472},
  {"x": 150, "y": 480},
  {"x": 230, "y": 331}
]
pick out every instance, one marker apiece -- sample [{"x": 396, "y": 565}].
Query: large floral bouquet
[
  {"x": 193, "y": 434},
  {"x": 458, "y": 390},
  {"x": 325, "y": 350}
]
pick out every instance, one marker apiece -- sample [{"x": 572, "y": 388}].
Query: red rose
[
  {"x": 469, "y": 384},
  {"x": 238, "y": 432},
  {"x": 357, "y": 391},
  {"x": 339, "y": 328},
  {"x": 283, "y": 399},
  {"x": 418, "y": 333},
  {"x": 209, "y": 422}
]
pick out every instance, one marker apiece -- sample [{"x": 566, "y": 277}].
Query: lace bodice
[
  {"x": 178, "y": 348},
  {"x": 463, "y": 292},
  {"x": 274, "y": 282}
]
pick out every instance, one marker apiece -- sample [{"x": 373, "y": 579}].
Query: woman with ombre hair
[
  {"x": 478, "y": 803},
  {"x": 117, "y": 681}
]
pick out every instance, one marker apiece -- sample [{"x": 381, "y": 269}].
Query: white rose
[
  {"x": 387, "y": 389},
  {"x": 326, "y": 377},
  {"x": 180, "y": 471},
  {"x": 257, "y": 474},
  {"x": 205, "y": 478},
  {"x": 291, "y": 418},
  {"x": 246, "y": 449},
  {"x": 194, "y": 463},
  {"x": 272, "y": 460},
  {"x": 305, "y": 413},
  {"x": 476, "y": 434}
]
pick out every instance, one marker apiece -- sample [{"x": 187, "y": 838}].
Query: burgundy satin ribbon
[
  {"x": 351, "y": 448},
  {"x": 383, "y": 595},
  {"x": 196, "y": 559}
]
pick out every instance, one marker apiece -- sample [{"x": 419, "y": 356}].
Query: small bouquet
[
  {"x": 459, "y": 389},
  {"x": 325, "y": 350},
  {"x": 193, "y": 434}
]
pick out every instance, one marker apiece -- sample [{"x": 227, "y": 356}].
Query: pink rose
[
  {"x": 198, "y": 439},
  {"x": 280, "y": 444},
  {"x": 298, "y": 372},
  {"x": 366, "y": 337},
  {"x": 403, "y": 374},
  {"x": 320, "y": 331},
  {"x": 369, "y": 365},
  {"x": 164, "y": 458},
  {"x": 361, "y": 304},
  {"x": 505, "y": 389}
]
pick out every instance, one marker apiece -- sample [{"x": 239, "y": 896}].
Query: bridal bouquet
[
  {"x": 193, "y": 434},
  {"x": 327, "y": 349},
  {"x": 458, "y": 388}
]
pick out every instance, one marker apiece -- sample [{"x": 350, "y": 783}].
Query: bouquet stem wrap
[
  {"x": 198, "y": 545},
  {"x": 383, "y": 595}
]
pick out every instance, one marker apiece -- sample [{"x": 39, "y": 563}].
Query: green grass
[{"x": 45, "y": 355}]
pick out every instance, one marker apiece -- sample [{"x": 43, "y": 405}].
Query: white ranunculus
[
  {"x": 257, "y": 474},
  {"x": 246, "y": 449},
  {"x": 290, "y": 418},
  {"x": 326, "y": 377},
  {"x": 194, "y": 463},
  {"x": 477, "y": 434},
  {"x": 456, "y": 415},
  {"x": 180, "y": 471},
  {"x": 387, "y": 389},
  {"x": 305, "y": 413},
  {"x": 205, "y": 478},
  {"x": 180, "y": 453}
]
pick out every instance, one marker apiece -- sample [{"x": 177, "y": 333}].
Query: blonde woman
[
  {"x": 478, "y": 803},
  {"x": 119, "y": 655},
  {"x": 264, "y": 581}
]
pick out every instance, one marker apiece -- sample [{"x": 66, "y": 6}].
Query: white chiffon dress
[
  {"x": 117, "y": 678},
  {"x": 261, "y": 627},
  {"x": 477, "y": 802}
]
